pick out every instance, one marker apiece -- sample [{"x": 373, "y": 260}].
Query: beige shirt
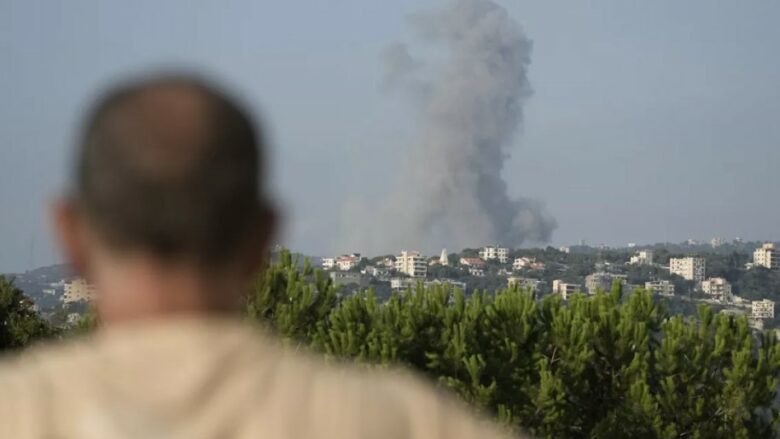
[{"x": 202, "y": 378}]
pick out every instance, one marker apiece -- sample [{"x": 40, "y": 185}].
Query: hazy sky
[{"x": 650, "y": 121}]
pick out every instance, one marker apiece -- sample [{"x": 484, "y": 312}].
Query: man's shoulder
[
  {"x": 37, "y": 358},
  {"x": 250, "y": 368},
  {"x": 388, "y": 403}
]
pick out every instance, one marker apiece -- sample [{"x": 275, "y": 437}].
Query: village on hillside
[
  {"x": 737, "y": 278},
  {"x": 741, "y": 278}
]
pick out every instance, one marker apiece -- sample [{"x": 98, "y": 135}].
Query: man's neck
[{"x": 139, "y": 288}]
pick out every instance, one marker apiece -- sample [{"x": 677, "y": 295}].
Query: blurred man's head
[{"x": 167, "y": 176}]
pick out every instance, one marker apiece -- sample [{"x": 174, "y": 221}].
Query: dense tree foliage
[
  {"x": 19, "y": 323},
  {"x": 596, "y": 367},
  {"x": 602, "y": 366}
]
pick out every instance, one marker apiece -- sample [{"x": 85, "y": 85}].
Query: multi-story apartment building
[
  {"x": 642, "y": 257},
  {"x": 564, "y": 289},
  {"x": 717, "y": 287},
  {"x": 689, "y": 268},
  {"x": 490, "y": 253},
  {"x": 661, "y": 287},
  {"x": 412, "y": 264},
  {"x": 596, "y": 282},
  {"x": 602, "y": 281},
  {"x": 328, "y": 263},
  {"x": 763, "y": 309},
  {"x": 476, "y": 272},
  {"x": 767, "y": 256},
  {"x": 78, "y": 290}
]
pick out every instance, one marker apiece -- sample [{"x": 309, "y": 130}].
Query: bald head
[{"x": 171, "y": 165}]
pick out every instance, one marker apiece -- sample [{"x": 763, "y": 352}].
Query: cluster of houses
[
  {"x": 409, "y": 268},
  {"x": 715, "y": 290}
]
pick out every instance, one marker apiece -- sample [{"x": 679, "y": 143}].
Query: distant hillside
[{"x": 44, "y": 286}]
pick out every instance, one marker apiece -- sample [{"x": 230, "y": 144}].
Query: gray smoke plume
[{"x": 470, "y": 106}]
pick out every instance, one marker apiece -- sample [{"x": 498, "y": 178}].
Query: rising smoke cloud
[{"x": 469, "y": 108}]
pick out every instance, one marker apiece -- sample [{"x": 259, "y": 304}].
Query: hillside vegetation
[{"x": 603, "y": 366}]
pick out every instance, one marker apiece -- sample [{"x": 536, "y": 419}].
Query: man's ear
[{"x": 69, "y": 231}]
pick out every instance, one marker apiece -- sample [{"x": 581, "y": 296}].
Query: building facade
[
  {"x": 596, "y": 282},
  {"x": 564, "y": 289},
  {"x": 412, "y": 264},
  {"x": 642, "y": 257},
  {"x": 522, "y": 262},
  {"x": 490, "y": 253},
  {"x": 78, "y": 290},
  {"x": 689, "y": 268},
  {"x": 717, "y": 287},
  {"x": 661, "y": 287},
  {"x": 328, "y": 263},
  {"x": 763, "y": 309},
  {"x": 767, "y": 256},
  {"x": 476, "y": 272},
  {"x": 348, "y": 262},
  {"x": 472, "y": 262}
]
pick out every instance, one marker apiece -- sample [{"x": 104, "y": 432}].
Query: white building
[
  {"x": 402, "y": 283},
  {"x": 377, "y": 272},
  {"x": 661, "y": 287},
  {"x": 411, "y": 263},
  {"x": 476, "y": 272},
  {"x": 767, "y": 256},
  {"x": 328, "y": 263},
  {"x": 472, "y": 262},
  {"x": 78, "y": 290},
  {"x": 490, "y": 253},
  {"x": 343, "y": 262},
  {"x": 717, "y": 287},
  {"x": 348, "y": 262},
  {"x": 387, "y": 262},
  {"x": 642, "y": 257},
  {"x": 689, "y": 268},
  {"x": 763, "y": 309},
  {"x": 523, "y": 262},
  {"x": 602, "y": 281},
  {"x": 717, "y": 242},
  {"x": 564, "y": 289},
  {"x": 596, "y": 282}
]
